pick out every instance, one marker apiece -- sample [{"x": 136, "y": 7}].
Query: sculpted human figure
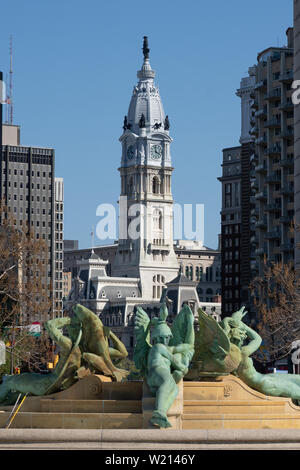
[
  {"x": 166, "y": 362},
  {"x": 278, "y": 385},
  {"x": 214, "y": 354},
  {"x": 94, "y": 344},
  {"x": 87, "y": 340},
  {"x": 64, "y": 373}
]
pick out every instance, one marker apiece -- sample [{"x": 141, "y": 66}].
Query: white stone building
[{"x": 143, "y": 262}]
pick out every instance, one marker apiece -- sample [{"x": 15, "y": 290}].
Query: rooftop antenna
[
  {"x": 10, "y": 104},
  {"x": 6, "y": 99},
  {"x": 93, "y": 237}
]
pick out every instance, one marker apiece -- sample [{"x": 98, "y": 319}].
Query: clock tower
[{"x": 145, "y": 247}]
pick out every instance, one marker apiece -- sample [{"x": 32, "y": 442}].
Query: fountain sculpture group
[{"x": 163, "y": 354}]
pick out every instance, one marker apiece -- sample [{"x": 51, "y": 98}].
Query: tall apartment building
[
  {"x": 27, "y": 187},
  {"x": 231, "y": 230},
  {"x": 274, "y": 154},
  {"x": 236, "y": 218},
  {"x": 297, "y": 132},
  {"x": 59, "y": 245},
  {"x": 248, "y": 183}
]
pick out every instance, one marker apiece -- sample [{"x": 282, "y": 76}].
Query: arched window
[
  {"x": 130, "y": 186},
  {"x": 158, "y": 285},
  {"x": 200, "y": 291},
  {"x": 209, "y": 274},
  {"x": 160, "y": 221},
  {"x": 155, "y": 185},
  {"x": 199, "y": 273}
]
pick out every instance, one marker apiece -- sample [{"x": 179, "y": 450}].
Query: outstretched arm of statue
[
  {"x": 254, "y": 343},
  {"x": 118, "y": 351},
  {"x": 54, "y": 327}
]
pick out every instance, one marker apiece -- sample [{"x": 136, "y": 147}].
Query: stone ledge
[{"x": 155, "y": 436}]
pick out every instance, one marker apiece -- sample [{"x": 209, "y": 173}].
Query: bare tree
[
  {"x": 277, "y": 299},
  {"x": 24, "y": 292}
]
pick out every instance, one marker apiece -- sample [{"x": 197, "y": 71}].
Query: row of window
[
  {"x": 197, "y": 274},
  {"x": 37, "y": 174}
]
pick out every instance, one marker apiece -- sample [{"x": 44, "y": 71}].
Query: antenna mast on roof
[{"x": 10, "y": 102}]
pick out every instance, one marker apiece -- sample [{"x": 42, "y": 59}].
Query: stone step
[
  {"x": 33, "y": 420},
  {"x": 90, "y": 406},
  {"x": 122, "y": 390},
  {"x": 238, "y": 421},
  {"x": 239, "y": 407}
]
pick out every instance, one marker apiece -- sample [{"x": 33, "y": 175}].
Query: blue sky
[{"x": 75, "y": 67}]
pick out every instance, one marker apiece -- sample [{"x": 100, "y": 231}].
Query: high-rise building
[
  {"x": 58, "y": 287},
  {"x": 236, "y": 217},
  {"x": 274, "y": 154},
  {"x": 231, "y": 229},
  {"x": 297, "y": 133},
  {"x": 27, "y": 188}
]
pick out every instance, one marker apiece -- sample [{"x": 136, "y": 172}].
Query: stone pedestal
[
  {"x": 95, "y": 402},
  {"x": 174, "y": 414}
]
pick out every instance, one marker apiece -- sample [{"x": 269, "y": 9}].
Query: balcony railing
[
  {"x": 273, "y": 207},
  {"x": 159, "y": 245},
  {"x": 286, "y": 77},
  {"x": 287, "y": 134},
  {"x": 261, "y": 196},
  {"x": 286, "y": 163},
  {"x": 261, "y": 169},
  {"x": 273, "y": 235},
  {"x": 273, "y": 123},
  {"x": 273, "y": 95},
  {"x": 261, "y": 85},
  {"x": 285, "y": 220},
  {"x": 287, "y": 247},
  {"x": 261, "y": 140},
  {"x": 274, "y": 150},
  {"x": 286, "y": 190},
  {"x": 287, "y": 106},
  {"x": 261, "y": 113},
  {"x": 273, "y": 179},
  {"x": 262, "y": 223}
]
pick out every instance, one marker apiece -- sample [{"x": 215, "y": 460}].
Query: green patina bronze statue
[
  {"x": 87, "y": 344},
  {"x": 277, "y": 385},
  {"x": 215, "y": 353},
  {"x": 94, "y": 345},
  {"x": 226, "y": 347},
  {"x": 164, "y": 363}
]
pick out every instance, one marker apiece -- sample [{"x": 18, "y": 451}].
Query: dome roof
[{"x": 145, "y": 98}]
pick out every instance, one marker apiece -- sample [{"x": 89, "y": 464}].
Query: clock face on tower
[
  {"x": 155, "y": 152},
  {"x": 130, "y": 152}
]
